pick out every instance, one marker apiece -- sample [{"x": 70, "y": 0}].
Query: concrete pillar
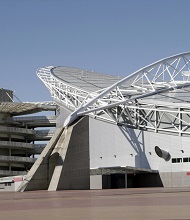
[
  {"x": 125, "y": 180},
  {"x": 37, "y": 177},
  {"x": 64, "y": 163},
  {"x": 96, "y": 182}
]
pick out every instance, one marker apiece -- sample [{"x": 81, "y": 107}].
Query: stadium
[
  {"x": 23, "y": 136},
  {"x": 117, "y": 132}
]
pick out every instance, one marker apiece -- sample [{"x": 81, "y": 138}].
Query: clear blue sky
[{"x": 109, "y": 36}]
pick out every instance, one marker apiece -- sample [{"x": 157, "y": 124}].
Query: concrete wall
[
  {"x": 76, "y": 167},
  {"x": 38, "y": 176},
  {"x": 64, "y": 163},
  {"x": 111, "y": 145},
  {"x": 175, "y": 179},
  {"x": 61, "y": 115},
  {"x": 95, "y": 144},
  {"x": 96, "y": 182}
]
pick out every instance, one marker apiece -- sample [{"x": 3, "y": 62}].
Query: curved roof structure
[
  {"x": 87, "y": 92},
  {"x": 89, "y": 81}
]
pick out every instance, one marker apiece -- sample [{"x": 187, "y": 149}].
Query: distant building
[
  {"x": 23, "y": 135},
  {"x": 6, "y": 95},
  {"x": 10, "y": 183}
]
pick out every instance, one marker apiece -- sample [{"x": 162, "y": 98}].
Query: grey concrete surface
[
  {"x": 132, "y": 204},
  {"x": 37, "y": 178}
]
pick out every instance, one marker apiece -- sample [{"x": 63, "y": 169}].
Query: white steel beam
[{"x": 114, "y": 102}]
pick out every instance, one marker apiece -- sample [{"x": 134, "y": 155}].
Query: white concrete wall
[
  {"x": 61, "y": 117},
  {"x": 96, "y": 182},
  {"x": 10, "y": 187},
  {"x": 111, "y": 145}
]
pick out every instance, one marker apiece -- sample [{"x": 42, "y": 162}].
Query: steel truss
[
  {"x": 63, "y": 93},
  {"x": 122, "y": 103},
  {"x": 157, "y": 118}
]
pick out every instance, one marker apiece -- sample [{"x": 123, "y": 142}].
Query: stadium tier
[{"x": 19, "y": 133}]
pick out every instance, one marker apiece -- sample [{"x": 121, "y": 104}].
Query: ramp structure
[{"x": 64, "y": 163}]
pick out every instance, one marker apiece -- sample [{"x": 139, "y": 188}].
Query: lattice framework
[{"x": 120, "y": 102}]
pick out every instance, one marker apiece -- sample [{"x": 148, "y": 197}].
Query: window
[
  {"x": 186, "y": 159},
  {"x": 180, "y": 160},
  {"x": 174, "y": 160},
  {"x": 7, "y": 184}
]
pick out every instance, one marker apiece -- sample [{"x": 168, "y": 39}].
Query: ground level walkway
[{"x": 139, "y": 203}]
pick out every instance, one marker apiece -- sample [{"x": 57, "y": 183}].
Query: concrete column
[
  {"x": 125, "y": 180},
  {"x": 96, "y": 182}
]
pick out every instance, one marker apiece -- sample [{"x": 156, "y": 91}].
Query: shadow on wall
[{"x": 138, "y": 144}]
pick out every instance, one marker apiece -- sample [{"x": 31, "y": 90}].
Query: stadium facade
[{"x": 114, "y": 132}]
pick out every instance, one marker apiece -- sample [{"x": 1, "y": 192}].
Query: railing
[
  {"x": 12, "y": 173},
  {"x": 15, "y": 130},
  {"x": 39, "y": 145},
  {"x": 39, "y": 148},
  {"x": 16, "y": 145},
  {"x": 35, "y": 118},
  {"x": 31, "y": 118},
  {"x": 44, "y": 133},
  {"x": 17, "y": 159},
  {"x": 36, "y": 148},
  {"x": 34, "y": 121}
]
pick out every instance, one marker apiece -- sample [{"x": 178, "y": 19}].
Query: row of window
[
  {"x": 180, "y": 160},
  {"x": 5, "y": 184}
]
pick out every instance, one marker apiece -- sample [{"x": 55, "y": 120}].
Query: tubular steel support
[{"x": 126, "y": 100}]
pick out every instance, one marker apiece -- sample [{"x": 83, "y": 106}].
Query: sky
[{"x": 115, "y": 37}]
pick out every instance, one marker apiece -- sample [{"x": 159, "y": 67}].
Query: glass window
[
  {"x": 174, "y": 160},
  {"x": 7, "y": 184},
  {"x": 186, "y": 159},
  {"x": 179, "y": 160}
]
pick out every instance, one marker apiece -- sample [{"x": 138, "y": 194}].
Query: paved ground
[{"x": 129, "y": 204}]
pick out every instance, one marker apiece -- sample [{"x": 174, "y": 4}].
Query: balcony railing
[
  {"x": 33, "y": 148},
  {"x": 17, "y": 159},
  {"x": 12, "y": 173},
  {"x": 14, "y": 130},
  {"x": 43, "y": 134},
  {"x": 11, "y": 144},
  {"x": 37, "y": 120}
]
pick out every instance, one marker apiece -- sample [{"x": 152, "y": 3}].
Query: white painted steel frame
[
  {"x": 158, "y": 118},
  {"x": 64, "y": 93},
  {"x": 120, "y": 101}
]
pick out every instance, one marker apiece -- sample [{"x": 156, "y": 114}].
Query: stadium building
[
  {"x": 23, "y": 135},
  {"x": 115, "y": 132}
]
